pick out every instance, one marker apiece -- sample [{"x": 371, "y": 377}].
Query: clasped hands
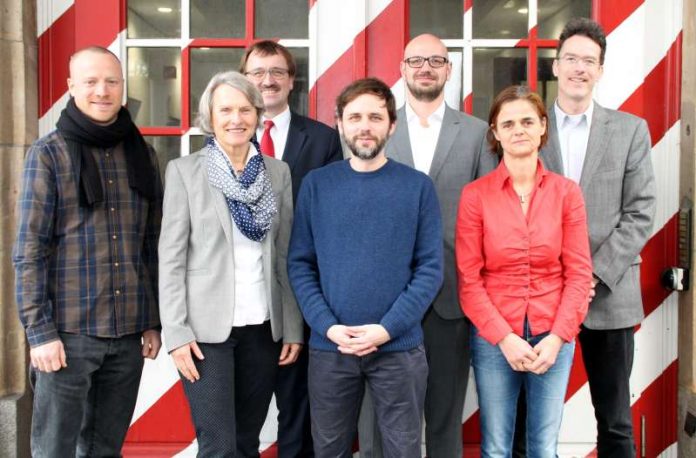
[
  {"x": 358, "y": 340},
  {"x": 522, "y": 357}
]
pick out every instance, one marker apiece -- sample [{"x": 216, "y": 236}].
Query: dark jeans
[
  {"x": 85, "y": 409},
  {"x": 396, "y": 381},
  {"x": 230, "y": 401},
  {"x": 608, "y": 358}
]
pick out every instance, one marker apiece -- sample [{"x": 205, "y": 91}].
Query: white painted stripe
[
  {"x": 337, "y": 22},
  {"x": 48, "y": 11},
  {"x": 665, "y": 157},
  {"x": 188, "y": 452},
  {"x": 670, "y": 452},
  {"x": 47, "y": 122},
  {"x": 158, "y": 377}
]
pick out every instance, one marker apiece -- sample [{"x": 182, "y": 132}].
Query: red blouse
[{"x": 511, "y": 265}]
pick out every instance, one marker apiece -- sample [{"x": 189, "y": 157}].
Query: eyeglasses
[
  {"x": 433, "y": 61},
  {"x": 276, "y": 73},
  {"x": 587, "y": 62}
]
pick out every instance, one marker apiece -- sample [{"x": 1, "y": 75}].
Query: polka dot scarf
[{"x": 249, "y": 196}]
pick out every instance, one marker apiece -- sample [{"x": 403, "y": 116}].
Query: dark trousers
[
  {"x": 85, "y": 409},
  {"x": 294, "y": 426},
  {"x": 608, "y": 358},
  {"x": 230, "y": 401},
  {"x": 447, "y": 350},
  {"x": 396, "y": 381}
]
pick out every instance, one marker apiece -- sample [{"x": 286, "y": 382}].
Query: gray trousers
[
  {"x": 447, "y": 349},
  {"x": 396, "y": 381},
  {"x": 85, "y": 408}
]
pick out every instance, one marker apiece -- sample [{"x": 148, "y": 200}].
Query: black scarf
[{"x": 81, "y": 133}]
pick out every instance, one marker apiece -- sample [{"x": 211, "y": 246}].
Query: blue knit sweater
[{"x": 366, "y": 248}]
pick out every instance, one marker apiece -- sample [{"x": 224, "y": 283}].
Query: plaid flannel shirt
[{"x": 89, "y": 271}]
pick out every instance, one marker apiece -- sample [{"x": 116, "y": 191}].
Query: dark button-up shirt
[{"x": 89, "y": 271}]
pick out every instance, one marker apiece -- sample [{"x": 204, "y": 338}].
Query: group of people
[{"x": 358, "y": 290}]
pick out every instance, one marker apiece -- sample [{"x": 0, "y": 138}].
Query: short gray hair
[{"x": 235, "y": 80}]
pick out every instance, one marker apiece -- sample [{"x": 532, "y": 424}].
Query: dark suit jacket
[
  {"x": 618, "y": 184},
  {"x": 461, "y": 156},
  {"x": 310, "y": 145}
]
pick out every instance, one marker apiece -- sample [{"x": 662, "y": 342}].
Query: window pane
[
  {"x": 196, "y": 143},
  {"x": 148, "y": 19},
  {"x": 166, "y": 147},
  {"x": 299, "y": 95},
  {"x": 205, "y": 62},
  {"x": 500, "y": 18},
  {"x": 444, "y": 18},
  {"x": 154, "y": 86},
  {"x": 553, "y": 15},
  {"x": 217, "y": 18},
  {"x": 281, "y": 18},
  {"x": 547, "y": 85},
  {"x": 494, "y": 70}
]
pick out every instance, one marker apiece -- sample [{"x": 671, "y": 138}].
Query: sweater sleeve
[
  {"x": 410, "y": 306},
  {"x": 303, "y": 268},
  {"x": 468, "y": 246}
]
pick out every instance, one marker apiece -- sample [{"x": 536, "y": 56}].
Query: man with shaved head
[
  {"x": 86, "y": 265},
  {"x": 450, "y": 147}
]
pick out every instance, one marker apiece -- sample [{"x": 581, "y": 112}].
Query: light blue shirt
[{"x": 573, "y": 134}]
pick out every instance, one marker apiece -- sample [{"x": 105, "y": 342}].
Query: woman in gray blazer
[{"x": 225, "y": 301}]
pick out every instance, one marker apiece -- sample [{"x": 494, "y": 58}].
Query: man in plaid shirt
[{"x": 86, "y": 265}]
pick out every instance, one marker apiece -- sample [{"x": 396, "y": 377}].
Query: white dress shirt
[
  {"x": 279, "y": 131},
  {"x": 250, "y": 305},
  {"x": 424, "y": 138},
  {"x": 573, "y": 134}
]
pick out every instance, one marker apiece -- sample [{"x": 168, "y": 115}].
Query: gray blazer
[
  {"x": 461, "y": 156},
  {"x": 618, "y": 183},
  {"x": 196, "y": 262}
]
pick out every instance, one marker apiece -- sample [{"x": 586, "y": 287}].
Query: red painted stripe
[
  {"x": 56, "y": 45},
  {"x": 167, "y": 420},
  {"x": 659, "y": 253},
  {"x": 384, "y": 56},
  {"x": 658, "y": 99},
  {"x": 330, "y": 84},
  {"x": 611, "y": 14},
  {"x": 467, "y": 5},
  {"x": 99, "y": 22},
  {"x": 468, "y": 104}
]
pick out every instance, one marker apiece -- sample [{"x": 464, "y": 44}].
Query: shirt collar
[
  {"x": 281, "y": 121},
  {"x": 436, "y": 115},
  {"x": 561, "y": 115},
  {"x": 501, "y": 176}
]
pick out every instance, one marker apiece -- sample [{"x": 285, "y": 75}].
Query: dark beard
[
  {"x": 365, "y": 154},
  {"x": 425, "y": 95}
]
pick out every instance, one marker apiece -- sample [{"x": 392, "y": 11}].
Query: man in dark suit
[
  {"x": 304, "y": 144},
  {"x": 608, "y": 153},
  {"x": 451, "y": 148}
]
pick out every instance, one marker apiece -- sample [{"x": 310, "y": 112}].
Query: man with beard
[
  {"x": 451, "y": 148},
  {"x": 305, "y": 144},
  {"x": 86, "y": 265},
  {"x": 364, "y": 291}
]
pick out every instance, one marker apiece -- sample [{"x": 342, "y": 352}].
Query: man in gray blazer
[
  {"x": 451, "y": 148},
  {"x": 608, "y": 153}
]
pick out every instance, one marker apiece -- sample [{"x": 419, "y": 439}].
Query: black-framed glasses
[
  {"x": 276, "y": 72},
  {"x": 433, "y": 61}
]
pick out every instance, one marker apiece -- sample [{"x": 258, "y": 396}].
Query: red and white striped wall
[{"x": 352, "y": 39}]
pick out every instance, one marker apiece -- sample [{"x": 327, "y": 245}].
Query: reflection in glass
[
  {"x": 166, "y": 147},
  {"x": 217, "y": 18},
  {"x": 441, "y": 17},
  {"x": 148, "y": 19},
  {"x": 500, "y": 18},
  {"x": 547, "y": 85},
  {"x": 154, "y": 86},
  {"x": 205, "y": 62},
  {"x": 553, "y": 15},
  {"x": 494, "y": 70},
  {"x": 281, "y": 18}
]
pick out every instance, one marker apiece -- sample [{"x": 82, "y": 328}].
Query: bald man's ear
[{"x": 70, "y": 86}]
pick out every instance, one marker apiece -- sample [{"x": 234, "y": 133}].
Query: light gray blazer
[
  {"x": 618, "y": 183},
  {"x": 196, "y": 262},
  {"x": 461, "y": 156}
]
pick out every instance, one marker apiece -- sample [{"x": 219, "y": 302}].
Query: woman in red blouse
[{"x": 525, "y": 271}]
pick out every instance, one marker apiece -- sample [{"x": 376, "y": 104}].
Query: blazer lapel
[
  {"x": 551, "y": 152},
  {"x": 448, "y": 132},
  {"x": 596, "y": 145},
  {"x": 220, "y": 203},
  {"x": 295, "y": 141},
  {"x": 399, "y": 146}
]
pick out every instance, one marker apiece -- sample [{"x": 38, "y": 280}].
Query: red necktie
[{"x": 266, "y": 141}]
